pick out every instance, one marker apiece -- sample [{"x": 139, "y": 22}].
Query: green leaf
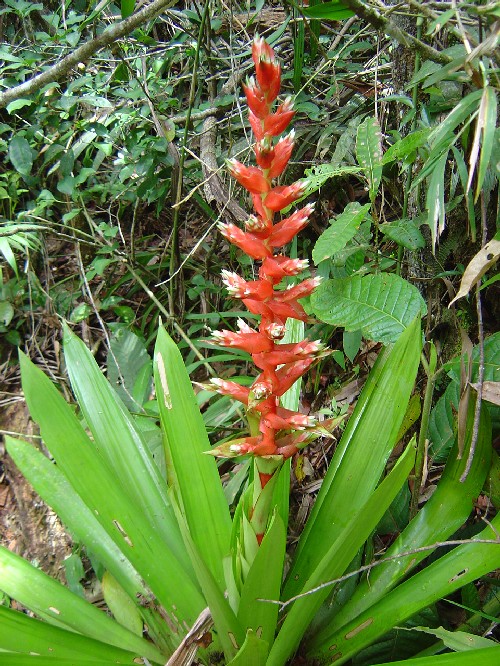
[
  {"x": 442, "y": 515},
  {"x": 332, "y": 11},
  {"x": 459, "y": 641},
  {"x": 317, "y": 176},
  {"x": 54, "y": 488},
  {"x": 481, "y": 657},
  {"x": 21, "y": 155},
  {"x": 342, "y": 229},
  {"x": 53, "y": 602},
  {"x": 351, "y": 343},
  {"x": 450, "y": 572},
  {"x": 127, "y": 7},
  {"x": 339, "y": 555},
  {"x": 263, "y": 581},
  {"x": 361, "y": 454},
  {"x": 405, "y": 147},
  {"x": 193, "y": 476},
  {"x": 130, "y": 367},
  {"x": 6, "y": 313},
  {"x": 253, "y": 652},
  {"x": 28, "y": 636},
  {"x": 81, "y": 312},
  {"x": 381, "y": 306},
  {"x": 229, "y": 630},
  {"x": 18, "y": 104},
  {"x": 143, "y": 536},
  {"x": 404, "y": 232},
  {"x": 369, "y": 153},
  {"x": 121, "y": 605}
]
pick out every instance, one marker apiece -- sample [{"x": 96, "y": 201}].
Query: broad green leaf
[
  {"x": 442, "y": 515},
  {"x": 253, "y": 652},
  {"x": 229, "y": 630},
  {"x": 491, "y": 361},
  {"x": 119, "y": 442},
  {"x": 54, "y": 488},
  {"x": 380, "y": 305},
  {"x": 339, "y": 555},
  {"x": 21, "y": 155},
  {"x": 121, "y": 605},
  {"x": 193, "y": 476},
  {"x": 404, "y": 232},
  {"x": 331, "y": 11},
  {"x": 127, "y": 7},
  {"x": 481, "y": 657},
  {"x": 128, "y": 362},
  {"x": 361, "y": 454},
  {"x": 351, "y": 343},
  {"x": 263, "y": 581},
  {"x": 404, "y": 148},
  {"x": 53, "y": 602},
  {"x": 462, "y": 565},
  {"x": 443, "y": 135},
  {"x": 25, "y": 635},
  {"x": 340, "y": 231},
  {"x": 436, "y": 214},
  {"x": 18, "y": 104},
  {"x": 369, "y": 153},
  {"x": 133, "y": 529},
  {"x": 459, "y": 641},
  {"x": 483, "y": 138},
  {"x": 318, "y": 175}
]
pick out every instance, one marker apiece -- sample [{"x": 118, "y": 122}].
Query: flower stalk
[{"x": 276, "y": 433}]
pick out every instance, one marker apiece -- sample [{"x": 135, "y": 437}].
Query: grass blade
[
  {"x": 53, "y": 602},
  {"x": 25, "y": 635},
  {"x": 194, "y": 477},
  {"x": 338, "y": 558},
  {"x": 462, "y": 565},
  {"x": 124, "y": 521},
  {"x": 118, "y": 442},
  {"x": 447, "y": 509},
  {"x": 55, "y": 489},
  {"x": 361, "y": 455}
]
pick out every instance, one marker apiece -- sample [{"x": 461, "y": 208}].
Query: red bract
[{"x": 280, "y": 364}]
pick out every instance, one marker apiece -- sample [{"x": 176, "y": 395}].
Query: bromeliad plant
[{"x": 167, "y": 544}]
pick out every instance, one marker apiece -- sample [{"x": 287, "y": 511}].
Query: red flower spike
[
  {"x": 281, "y": 197},
  {"x": 267, "y": 69},
  {"x": 280, "y": 364},
  {"x": 247, "y": 242},
  {"x": 265, "y": 154},
  {"x": 283, "y": 232},
  {"x": 256, "y": 100},
  {"x": 256, "y": 125},
  {"x": 282, "y": 154},
  {"x": 251, "y": 178},
  {"x": 277, "y": 122}
]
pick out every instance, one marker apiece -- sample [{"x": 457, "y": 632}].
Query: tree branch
[
  {"x": 387, "y": 26},
  {"x": 85, "y": 51}
]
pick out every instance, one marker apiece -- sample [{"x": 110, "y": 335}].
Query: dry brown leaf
[
  {"x": 477, "y": 267},
  {"x": 490, "y": 392}
]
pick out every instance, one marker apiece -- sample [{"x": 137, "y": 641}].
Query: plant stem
[
  {"x": 174, "y": 256},
  {"x": 430, "y": 369}
]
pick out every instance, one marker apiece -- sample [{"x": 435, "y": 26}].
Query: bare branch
[
  {"x": 85, "y": 51},
  {"x": 384, "y": 24}
]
